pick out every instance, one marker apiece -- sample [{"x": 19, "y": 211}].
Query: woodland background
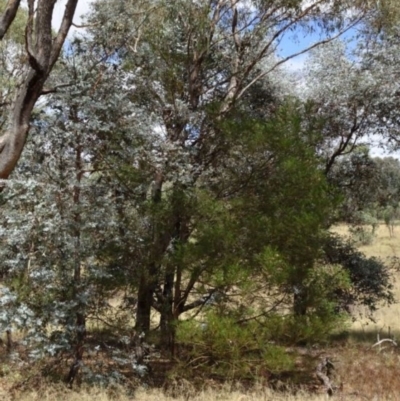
[{"x": 181, "y": 210}]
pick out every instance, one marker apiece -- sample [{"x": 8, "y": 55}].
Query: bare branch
[
  {"x": 29, "y": 38},
  {"x": 63, "y": 31},
  {"x": 385, "y": 340},
  {"x": 47, "y": 91},
  {"x": 284, "y": 60},
  {"x": 8, "y": 16},
  {"x": 200, "y": 302},
  {"x": 85, "y": 25}
]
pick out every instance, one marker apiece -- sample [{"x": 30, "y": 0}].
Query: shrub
[
  {"x": 220, "y": 346},
  {"x": 370, "y": 278}
]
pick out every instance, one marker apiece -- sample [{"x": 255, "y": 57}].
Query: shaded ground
[{"x": 362, "y": 371}]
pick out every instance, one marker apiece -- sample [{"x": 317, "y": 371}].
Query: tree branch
[
  {"x": 47, "y": 91},
  {"x": 63, "y": 31},
  {"x": 33, "y": 62},
  {"x": 8, "y": 16},
  {"x": 284, "y": 60},
  {"x": 42, "y": 53}
]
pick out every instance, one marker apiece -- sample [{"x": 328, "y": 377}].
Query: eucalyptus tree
[
  {"x": 341, "y": 95},
  {"x": 11, "y": 61},
  {"x": 380, "y": 59},
  {"x": 384, "y": 17},
  {"x": 193, "y": 65},
  {"x": 352, "y": 89},
  {"x": 42, "y": 50},
  {"x": 61, "y": 213}
]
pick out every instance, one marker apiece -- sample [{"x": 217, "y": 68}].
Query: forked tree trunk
[{"x": 42, "y": 53}]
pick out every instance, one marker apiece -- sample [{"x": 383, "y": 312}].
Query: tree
[
  {"x": 59, "y": 216},
  {"x": 370, "y": 277},
  {"x": 12, "y": 61},
  {"x": 341, "y": 96},
  {"x": 192, "y": 64},
  {"x": 178, "y": 169},
  {"x": 42, "y": 52},
  {"x": 356, "y": 177},
  {"x": 383, "y": 17}
]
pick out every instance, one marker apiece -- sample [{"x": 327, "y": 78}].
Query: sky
[
  {"x": 82, "y": 8},
  {"x": 287, "y": 46}
]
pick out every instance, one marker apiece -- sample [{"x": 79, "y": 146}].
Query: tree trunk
[
  {"x": 9, "y": 341},
  {"x": 79, "y": 348},
  {"x": 77, "y": 279},
  {"x": 8, "y": 16},
  {"x": 167, "y": 321},
  {"x": 148, "y": 279},
  {"x": 145, "y": 301},
  {"x": 300, "y": 300},
  {"x": 172, "y": 304},
  {"x": 42, "y": 53}
]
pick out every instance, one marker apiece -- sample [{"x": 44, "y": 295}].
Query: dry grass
[
  {"x": 387, "y": 318},
  {"x": 363, "y": 371},
  {"x": 383, "y": 246},
  {"x": 186, "y": 394}
]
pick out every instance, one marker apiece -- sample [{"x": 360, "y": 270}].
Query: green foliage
[
  {"x": 158, "y": 171},
  {"x": 370, "y": 189},
  {"x": 323, "y": 309},
  {"x": 222, "y": 347},
  {"x": 288, "y": 203},
  {"x": 355, "y": 177},
  {"x": 16, "y": 33},
  {"x": 306, "y": 330},
  {"x": 323, "y": 283},
  {"x": 361, "y": 235},
  {"x": 370, "y": 278},
  {"x": 364, "y": 226}
]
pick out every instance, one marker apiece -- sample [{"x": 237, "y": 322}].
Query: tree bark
[
  {"x": 8, "y": 16},
  {"x": 167, "y": 326},
  {"x": 147, "y": 287},
  {"x": 80, "y": 327},
  {"x": 148, "y": 279},
  {"x": 43, "y": 53},
  {"x": 300, "y": 301}
]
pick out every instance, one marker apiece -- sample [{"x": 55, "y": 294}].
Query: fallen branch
[
  {"x": 324, "y": 369},
  {"x": 379, "y": 342}
]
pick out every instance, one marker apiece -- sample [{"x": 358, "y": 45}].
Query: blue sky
[
  {"x": 290, "y": 44},
  {"x": 298, "y": 40}
]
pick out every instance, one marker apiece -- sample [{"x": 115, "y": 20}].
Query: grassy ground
[
  {"x": 363, "y": 371},
  {"x": 156, "y": 395},
  {"x": 387, "y": 318}
]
